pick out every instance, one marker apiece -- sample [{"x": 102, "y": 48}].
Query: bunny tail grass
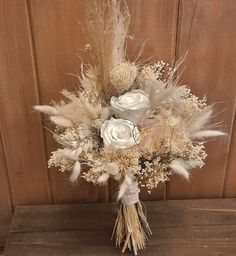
[{"x": 131, "y": 228}]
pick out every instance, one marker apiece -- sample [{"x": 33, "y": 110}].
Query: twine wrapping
[{"x": 131, "y": 195}]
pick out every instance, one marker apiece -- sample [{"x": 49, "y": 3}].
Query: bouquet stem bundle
[{"x": 131, "y": 228}]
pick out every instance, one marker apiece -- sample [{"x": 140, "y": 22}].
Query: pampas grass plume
[
  {"x": 199, "y": 120},
  {"x": 49, "y": 110},
  {"x": 60, "y": 121}
]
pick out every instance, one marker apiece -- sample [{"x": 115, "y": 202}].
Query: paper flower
[{"x": 120, "y": 133}]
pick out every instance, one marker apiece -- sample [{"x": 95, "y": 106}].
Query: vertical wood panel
[
  {"x": 20, "y": 128},
  {"x": 5, "y": 198},
  {"x": 57, "y": 39},
  {"x": 207, "y": 30},
  {"x": 153, "y": 22},
  {"x": 230, "y": 176}
]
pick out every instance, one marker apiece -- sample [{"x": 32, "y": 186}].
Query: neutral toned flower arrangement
[{"x": 130, "y": 122}]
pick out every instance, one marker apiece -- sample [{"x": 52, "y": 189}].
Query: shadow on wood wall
[{"x": 38, "y": 46}]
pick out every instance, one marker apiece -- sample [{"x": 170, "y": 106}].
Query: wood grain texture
[
  {"x": 183, "y": 227},
  {"x": 39, "y": 40},
  {"x": 206, "y": 29},
  {"x": 5, "y": 198},
  {"x": 20, "y": 128},
  {"x": 230, "y": 175},
  {"x": 58, "y": 38}
]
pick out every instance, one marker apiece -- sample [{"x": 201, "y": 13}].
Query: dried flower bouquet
[{"x": 130, "y": 122}]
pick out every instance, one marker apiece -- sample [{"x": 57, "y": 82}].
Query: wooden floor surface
[{"x": 184, "y": 227}]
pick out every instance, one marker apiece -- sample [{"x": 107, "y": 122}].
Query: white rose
[
  {"x": 120, "y": 133},
  {"x": 131, "y": 105},
  {"x": 133, "y": 100}
]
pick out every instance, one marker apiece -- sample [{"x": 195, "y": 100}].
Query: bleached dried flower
[{"x": 123, "y": 76}]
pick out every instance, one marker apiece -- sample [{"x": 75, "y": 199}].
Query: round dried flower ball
[
  {"x": 146, "y": 78},
  {"x": 123, "y": 76}
]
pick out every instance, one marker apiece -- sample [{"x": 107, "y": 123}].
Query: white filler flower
[
  {"x": 133, "y": 100},
  {"x": 120, "y": 133}
]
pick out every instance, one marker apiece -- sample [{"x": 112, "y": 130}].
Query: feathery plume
[
  {"x": 107, "y": 29},
  {"x": 60, "y": 121},
  {"x": 206, "y": 134},
  {"x": 49, "y": 110},
  {"x": 178, "y": 167},
  {"x": 75, "y": 172},
  {"x": 199, "y": 120}
]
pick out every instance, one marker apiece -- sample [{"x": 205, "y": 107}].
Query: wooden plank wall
[{"x": 39, "y": 40}]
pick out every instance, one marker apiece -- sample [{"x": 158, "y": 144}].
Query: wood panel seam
[
  {"x": 174, "y": 54},
  {"x": 191, "y": 23},
  {"x": 5, "y": 173},
  {"x": 37, "y": 83},
  {"x": 177, "y": 30},
  {"x": 226, "y": 172}
]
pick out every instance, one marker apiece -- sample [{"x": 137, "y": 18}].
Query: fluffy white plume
[
  {"x": 123, "y": 187},
  {"x": 49, "y": 110},
  {"x": 199, "y": 120},
  {"x": 159, "y": 94},
  {"x": 60, "y": 121},
  {"x": 75, "y": 172},
  {"x": 179, "y": 167},
  {"x": 206, "y": 134},
  {"x": 103, "y": 178}
]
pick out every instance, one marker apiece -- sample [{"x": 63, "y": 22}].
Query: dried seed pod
[
  {"x": 123, "y": 76},
  {"x": 146, "y": 78}
]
